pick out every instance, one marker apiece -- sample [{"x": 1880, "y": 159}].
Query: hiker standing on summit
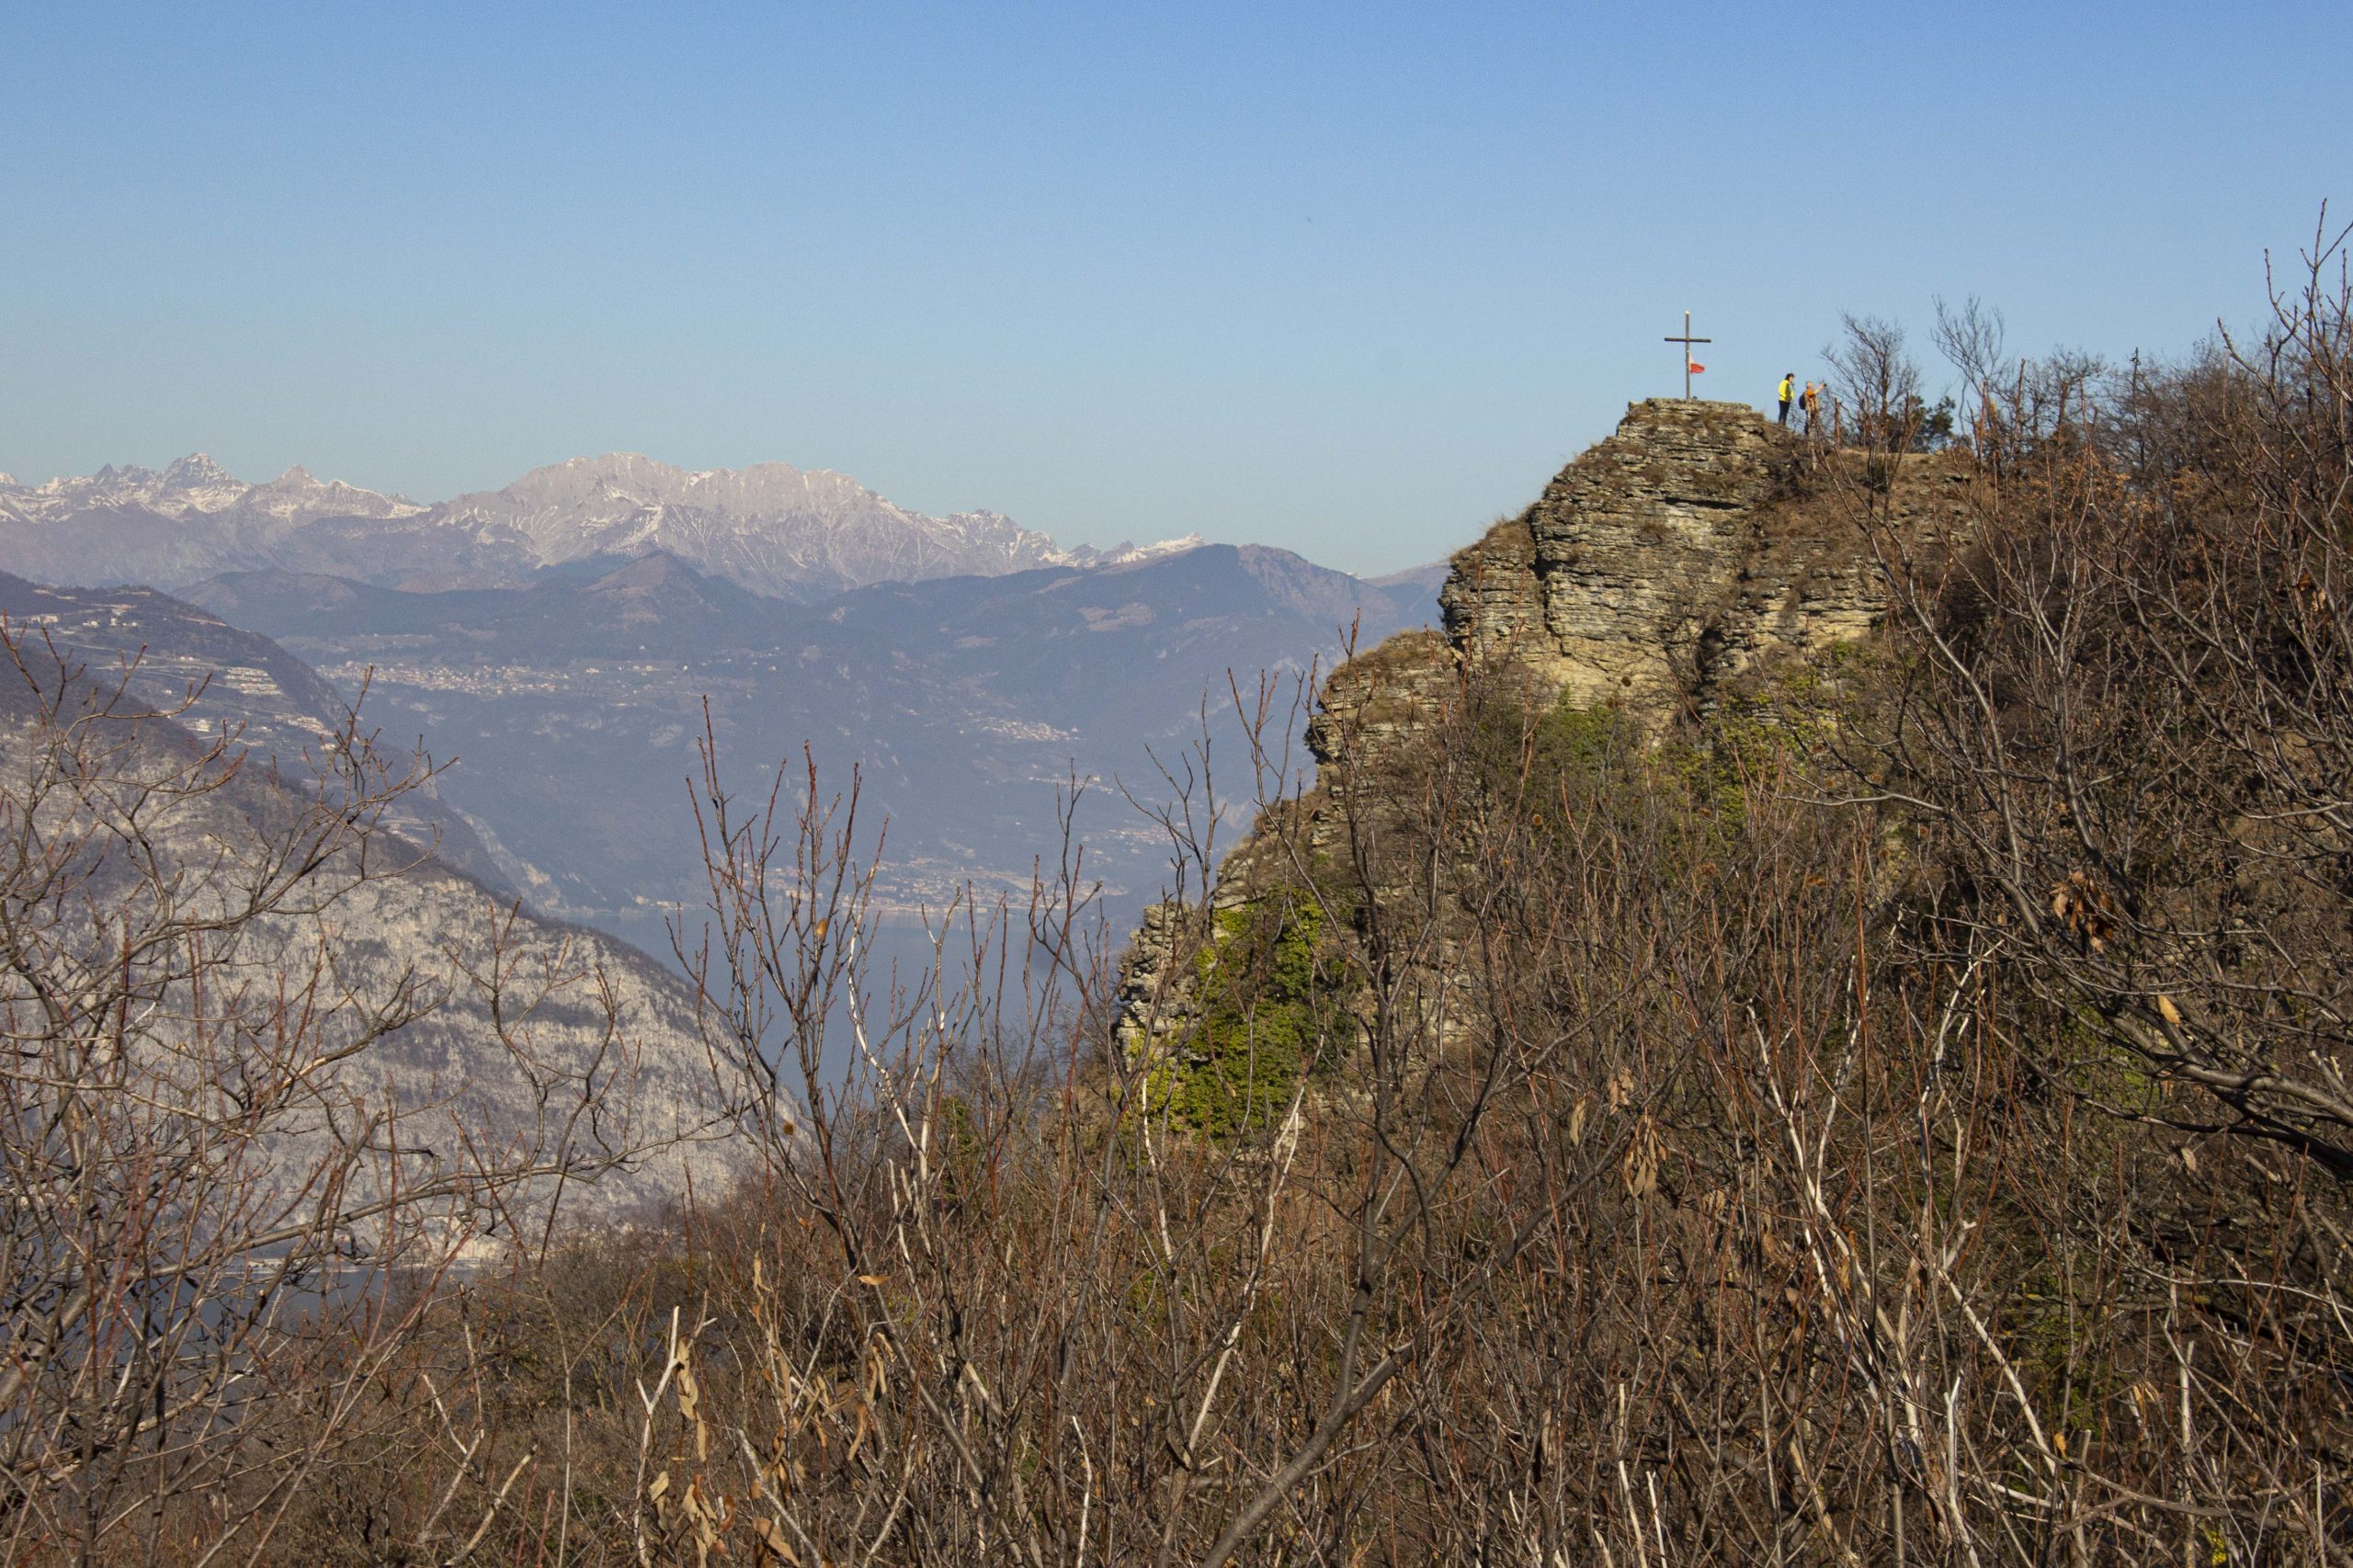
[{"x": 1788, "y": 384}]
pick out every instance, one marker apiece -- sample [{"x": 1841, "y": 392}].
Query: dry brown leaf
[
  {"x": 772, "y": 1541},
  {"x": 1641, "y": 1172},
  {"x": 2085, "y": 908}
]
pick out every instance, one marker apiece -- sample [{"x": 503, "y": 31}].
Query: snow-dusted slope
[
  {"x": 189, "y": 521},
  {"x": 771, "y": 527},
  {"x": 195, "y": 487}
]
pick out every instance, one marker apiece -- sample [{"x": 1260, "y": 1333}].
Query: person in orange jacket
[{"x": 1810, "y": 403}]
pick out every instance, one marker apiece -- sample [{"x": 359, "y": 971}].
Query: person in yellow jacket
[{"x": 1789, "y": 386}]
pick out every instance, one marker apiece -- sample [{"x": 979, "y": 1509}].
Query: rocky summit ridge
[
  {"x": 1692, "y": 545},
  {"x": 1663, "y": 560}
]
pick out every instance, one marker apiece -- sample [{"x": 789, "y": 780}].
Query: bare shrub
[
  {"x": 2133, "y": 731},
  {"x": 1877, "y": 386}
]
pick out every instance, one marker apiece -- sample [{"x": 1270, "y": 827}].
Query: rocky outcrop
[
  {"x": 1605, "y": 584},
  {"x": 1696, "y": 543},
  {"x": 1672, "y": 555},
  {"x": 1153, "y": 997}
]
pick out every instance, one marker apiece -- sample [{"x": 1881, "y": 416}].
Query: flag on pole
[{"x": 1697, "y": 366}]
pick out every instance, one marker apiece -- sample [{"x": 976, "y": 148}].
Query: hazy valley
[{"x": 557, "y": 650}]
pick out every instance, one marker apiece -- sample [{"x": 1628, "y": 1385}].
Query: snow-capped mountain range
[{"x": 776, "y": 529}]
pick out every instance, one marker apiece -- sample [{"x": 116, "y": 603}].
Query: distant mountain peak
[
  {"x": 613, "y": 463},
  {"x": 768, "y": 527},
  {"x": 197, "y": 469},
  {"x": 1127, "y": 552},
  {"x": 1160, "y": 547}
]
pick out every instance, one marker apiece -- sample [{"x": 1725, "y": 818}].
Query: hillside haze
[
  {"x": 967, "y": 704},
  {"x": 237, "y": 740}
]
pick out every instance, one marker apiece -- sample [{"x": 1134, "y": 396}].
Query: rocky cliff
[
  {"x": 180, "y": 831},
  {"x": 1696, "y": 544}
]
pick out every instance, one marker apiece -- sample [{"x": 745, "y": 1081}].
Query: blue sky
[{"x": 1350, "y": 278}]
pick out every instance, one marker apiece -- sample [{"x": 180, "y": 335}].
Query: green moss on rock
[{"x": 1269, "y": 1012}]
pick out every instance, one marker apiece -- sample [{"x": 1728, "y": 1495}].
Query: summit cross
[{"x": 1688, "y": 340}]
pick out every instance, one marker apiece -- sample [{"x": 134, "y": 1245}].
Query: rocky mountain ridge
[
  {"x": 1664, "y": 561},
  {"x": 771, "y": 527},
  {"x": 217, "y": 681},
  {"x": 195, "y": 486}
]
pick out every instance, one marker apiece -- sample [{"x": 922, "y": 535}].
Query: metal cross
[{"x": 1688, "y": 340}]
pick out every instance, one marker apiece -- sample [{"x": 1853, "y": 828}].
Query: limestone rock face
[
  {"x": 1381, "y": 699},
  {"x": 1153, "y": 998},
  {"x": 1632, "y": 544},
  {"x": 1695, "y": 542},
  {"x": 1674, "y": 555},
  {"x": 1638, "y": 543},
  {"x": 1493, "y": 600}
]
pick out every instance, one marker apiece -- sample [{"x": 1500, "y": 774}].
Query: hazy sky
[{"x": 1350, "y": 278}]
